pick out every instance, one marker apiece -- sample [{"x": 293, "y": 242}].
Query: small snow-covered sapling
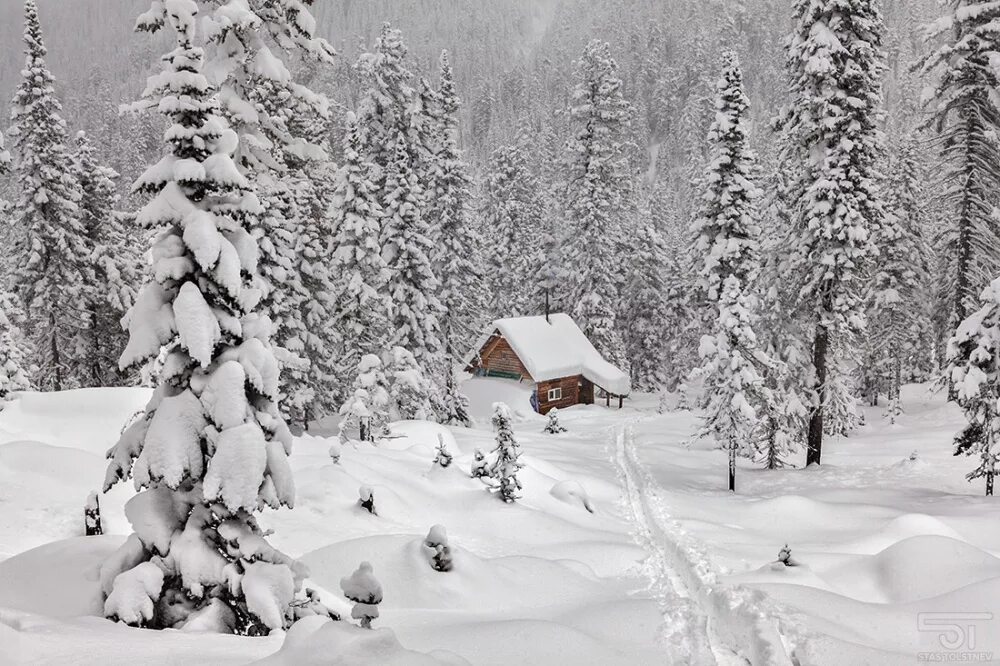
[
  {"x": 365, "y": 591},
  {"x": 480, "y": 466},
  {"x": 553, "y": 427},
  {"x": 366, "y": 498},
  {"x": 335, "y": 450},
  {"x": 507, "y": 453},
  {"x": 443, "y": 457},
  {"x": 437, "y": 550},
  {"x": 92, "y": 516},
  {"x": 785, "y": 557}
]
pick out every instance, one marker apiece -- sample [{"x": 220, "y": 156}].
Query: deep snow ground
[{"x": 669, "y": 569}]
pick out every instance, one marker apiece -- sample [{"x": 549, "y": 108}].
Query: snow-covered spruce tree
[
  {"x": 211, "y": 448},
  {"x": 365, "y": 591},
  {"x": 506, "y": 456},
  {"x": 51, "y": 276},
  {"x": 781, "y": 422},
  {"x": 974, "y": 370},
  {"x": 648, "y": 308},
  {"x": 834, "y": 68},
  {"x": 112, "y": 267},
  {"x": 413, "y": 287},
  {"x": 456, "y": 248},
  {"x": 511, "y": 210},
  {"x": 322, "y": 343},
  {"x": 902, "y": 276},
  {"x": 363, "y": 307},
  {"x": 443, "y": 456},
  {"x": 728, "y": 241},
  {"x": 13, "y": 353},
  {"x": 966, "y": 117},
  {"x": 386, "y": 108},
  {"x": 368, "y": 407},
  {"x": 480, "y": 465},
  {"x": 409, "y": 390},
  {"x": 454, "y": 256},
  {"x": 598, "y": 198},
  {"x": 437, "y": 549},
  {"x": 553, "y": 427}
]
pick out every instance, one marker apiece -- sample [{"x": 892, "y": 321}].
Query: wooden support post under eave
[
  {"x": 621, "y": 401},
  {"x": 607, "y": 398}
]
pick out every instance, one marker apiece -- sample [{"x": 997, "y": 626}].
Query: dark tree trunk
[
  {"x": 732, "y": 467},
  {"x": 56, "y": 363},
  {"x": 814, "y": 452},
  {"x": 989, "y": 484}
]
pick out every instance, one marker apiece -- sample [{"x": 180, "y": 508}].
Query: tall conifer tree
[
  {"x": 834, "y": 66},
  {"x": 212, "y": 446},
  {"x": 598, "y": 197},
  {"x": 51, "y": 268}
]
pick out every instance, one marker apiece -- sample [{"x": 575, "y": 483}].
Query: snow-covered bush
[
  {"x": 506, "y": 462},
  {"x": 553, "y": 427},
  {"x": 335, "y": 452},
  {"x": 785, "y": 557},
  {"x": 366, "y": 499},
  {"x": 92, "y": 516},
  {"x": 212, "y": 448},
  {"x": 408, "y": 387},
  {"x": 437, "y": 550},
  {"x": 365, "y": 591},
  {"x": 480, "y": 465},
  {"x": 443, "y": 457}
]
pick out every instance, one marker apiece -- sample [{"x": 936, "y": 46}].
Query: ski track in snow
[{"x": 695, "y": 609}]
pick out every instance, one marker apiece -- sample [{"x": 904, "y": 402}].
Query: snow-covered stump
[
  {"x": 365, "y": 591},
  {"x": 437, "y": 550},
  {"x": 366, "y": 499},
  {"x": 92, "y": 516},
  {"x": 443, "y": 458},
  {"x": 480, "y": 465},
  {"x": 553, "y": 427},
  {"x": 507, "y": 453}
]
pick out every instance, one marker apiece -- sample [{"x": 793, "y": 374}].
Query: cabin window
[{"x": 555, "y": 394}]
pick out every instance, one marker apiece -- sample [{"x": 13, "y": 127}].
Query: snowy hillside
[{"x": 543, "y": 580}]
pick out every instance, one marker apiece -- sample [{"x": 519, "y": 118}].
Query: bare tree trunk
[{"x": 814, "y": 451}]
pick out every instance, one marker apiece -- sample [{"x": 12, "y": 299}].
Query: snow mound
[
  {"x": 902, "y": 572},
  {"x": 572, "y": 493},
  {"x": 60, "y": 579},
  {"x": 87, "y": 419},
  {"x": 900, "y": 528},
  {"x": 321, "y": 642}
]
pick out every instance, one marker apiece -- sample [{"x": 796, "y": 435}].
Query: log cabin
[{"x": 552, "y": 353}]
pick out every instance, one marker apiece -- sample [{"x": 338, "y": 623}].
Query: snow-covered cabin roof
[{"x": 555, "y": 348}]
